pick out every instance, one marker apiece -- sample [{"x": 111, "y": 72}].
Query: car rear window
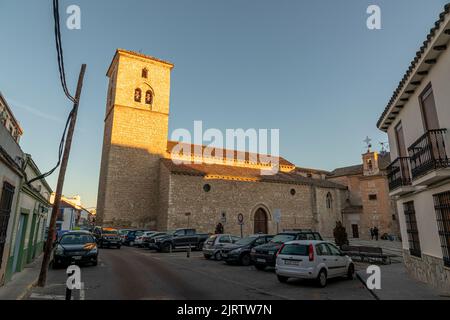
[
  {"x": 283, "y": 237},
  {"x": 295, "y": 250},
  {"x": 76, "y": 239}
]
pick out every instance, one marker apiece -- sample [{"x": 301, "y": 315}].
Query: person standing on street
[
  {"x": 375, "y": 233},
  {"x": 371, "y": 233}
]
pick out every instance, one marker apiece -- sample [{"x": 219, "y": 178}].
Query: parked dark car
[
  {"x": 239, "y": 252},
  {"x": 148, "y": 241},
  {"x": 107, "y": 237},
  {"x": 130, "y": 237},
  {"x": 75, "y": 247},
  {"x": 180, "y": 238},
  {"x": 265, "y": 255}
]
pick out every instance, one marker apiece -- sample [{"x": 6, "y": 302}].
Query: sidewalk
[
  {"x": 396, "y": 284},
  {"x": 390, "y": 247},
  {"x": 21, "y": 283}
]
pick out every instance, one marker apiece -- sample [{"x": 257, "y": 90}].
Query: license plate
[
  {"x": 291, "y": 262},
  {"x": 76, "y": 258},
  {"x": 261, "y": 260}
]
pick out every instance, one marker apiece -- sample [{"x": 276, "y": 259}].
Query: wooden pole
[{"x": 59, "y": 188}]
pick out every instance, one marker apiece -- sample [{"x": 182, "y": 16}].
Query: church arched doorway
[{"x": 260, "y": 221}]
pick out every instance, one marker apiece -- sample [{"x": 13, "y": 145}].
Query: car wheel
[
  {"x": 218, "y": 256},
  {"x": 351, "y": 272},
  {"x": 260, "y": 267},
  {"x": 322, "y": 278},
  {"x": 282, "y": 279},
  {"x": 118, "y": 247},
  {"x": 95, "y": 263},
  {"x": 200, "y": 246},
  {"x": 245, "y": 260},
  {"x": 207, "y": 256},
  {"x": 166, "y": 247}
]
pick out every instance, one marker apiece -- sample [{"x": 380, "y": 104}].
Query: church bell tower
[{"x": 135, "y": 138}]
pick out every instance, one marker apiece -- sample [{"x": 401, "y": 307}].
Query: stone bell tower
[{"x": 135, "y": 138}]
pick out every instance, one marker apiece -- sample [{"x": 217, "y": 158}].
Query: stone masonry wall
[
  {"x": 234, "y": 197},
  {"x": 428, "y": 269},
  {"x": 135, "y": 139}
]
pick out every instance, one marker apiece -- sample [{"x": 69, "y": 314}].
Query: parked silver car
[{"x": 213, "y": 245}]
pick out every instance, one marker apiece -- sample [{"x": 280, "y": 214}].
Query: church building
[{"x": 142, "y": 186}]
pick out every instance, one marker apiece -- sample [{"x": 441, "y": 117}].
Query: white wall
[{"x": 411, "y": 116}]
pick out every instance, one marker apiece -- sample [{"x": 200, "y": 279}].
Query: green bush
[{"x": 340, "y": 235}]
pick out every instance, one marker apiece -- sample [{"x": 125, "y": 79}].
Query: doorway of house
[
  {"x": 260, "y": 221},
  {"x": 19, "y": 244},
  {"x": 355, "y": 231}
]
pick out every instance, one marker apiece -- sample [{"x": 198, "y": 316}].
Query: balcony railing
[
  {"x": 398, "y": 173},
  {"x": 428, "y": 153}
]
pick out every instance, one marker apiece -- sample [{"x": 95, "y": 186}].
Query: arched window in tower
[
  {"x": 145, "y": 73},
  {"x": 137, "y": 95},
  {"x": 329, "y": 201},
  {"x": 148, "y": 97}
]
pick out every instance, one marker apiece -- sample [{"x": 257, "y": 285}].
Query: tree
[{"x": 340, "y": 235}]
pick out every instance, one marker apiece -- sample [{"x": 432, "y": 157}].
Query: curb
[
  {"x": 27, "y": 290},
  {"x": 365, "y": 285}
]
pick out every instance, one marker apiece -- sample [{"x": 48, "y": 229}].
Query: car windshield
[
  {"x": 295, "y": 250},
  {"x": 282, "y": 238},
  {"x": 245, "y": 241},
  {"x": 76, "y": 239}
]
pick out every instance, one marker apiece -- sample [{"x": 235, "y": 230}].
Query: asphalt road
[{"x": 136, "y": 274}]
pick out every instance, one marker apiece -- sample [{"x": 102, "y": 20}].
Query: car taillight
[
  {"x": 311, "y": 252},
  {"x": 279, "y": 250}
]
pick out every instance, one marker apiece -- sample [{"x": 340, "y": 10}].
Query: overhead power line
[{"x": 62, "y": 76}]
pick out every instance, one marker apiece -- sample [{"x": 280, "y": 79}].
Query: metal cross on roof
[{"x": 368, "y": 142}]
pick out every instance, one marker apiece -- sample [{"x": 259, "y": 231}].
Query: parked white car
[
  {"x": 312, "y": 259},
  {"x": 139, "y": 240},
  {"x": 213, "y": 245}
]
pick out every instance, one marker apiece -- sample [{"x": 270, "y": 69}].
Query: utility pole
[{"x": 59, "y": 188}]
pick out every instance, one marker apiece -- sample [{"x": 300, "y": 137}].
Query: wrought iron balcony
[
  {"x": 398, "y": 173},
  {"x": 428, "y": 153}
]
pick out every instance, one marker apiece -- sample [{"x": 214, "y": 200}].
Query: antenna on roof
[{"x": 384, "y": 148}]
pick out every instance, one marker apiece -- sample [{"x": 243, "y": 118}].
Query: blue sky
[{"x": 310, "y": 68}]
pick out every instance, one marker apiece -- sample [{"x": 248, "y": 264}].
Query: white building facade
[{"x": 417, "y": 121}]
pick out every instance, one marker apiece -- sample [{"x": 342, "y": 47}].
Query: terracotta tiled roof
[
  {"x": 416, "y": 62},
  {"x": 223, "y": 153},
  {"x": 347, "y": 171},
  {"x": 145, "y": 56},
  {"x": 383, "y": 162},
  {"x": 203, "y": 170}
]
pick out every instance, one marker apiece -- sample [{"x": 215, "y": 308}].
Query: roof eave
[{"x": 436, "y": 43}]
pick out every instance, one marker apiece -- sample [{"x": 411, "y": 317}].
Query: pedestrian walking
[{"x": 371, "y": 233}]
